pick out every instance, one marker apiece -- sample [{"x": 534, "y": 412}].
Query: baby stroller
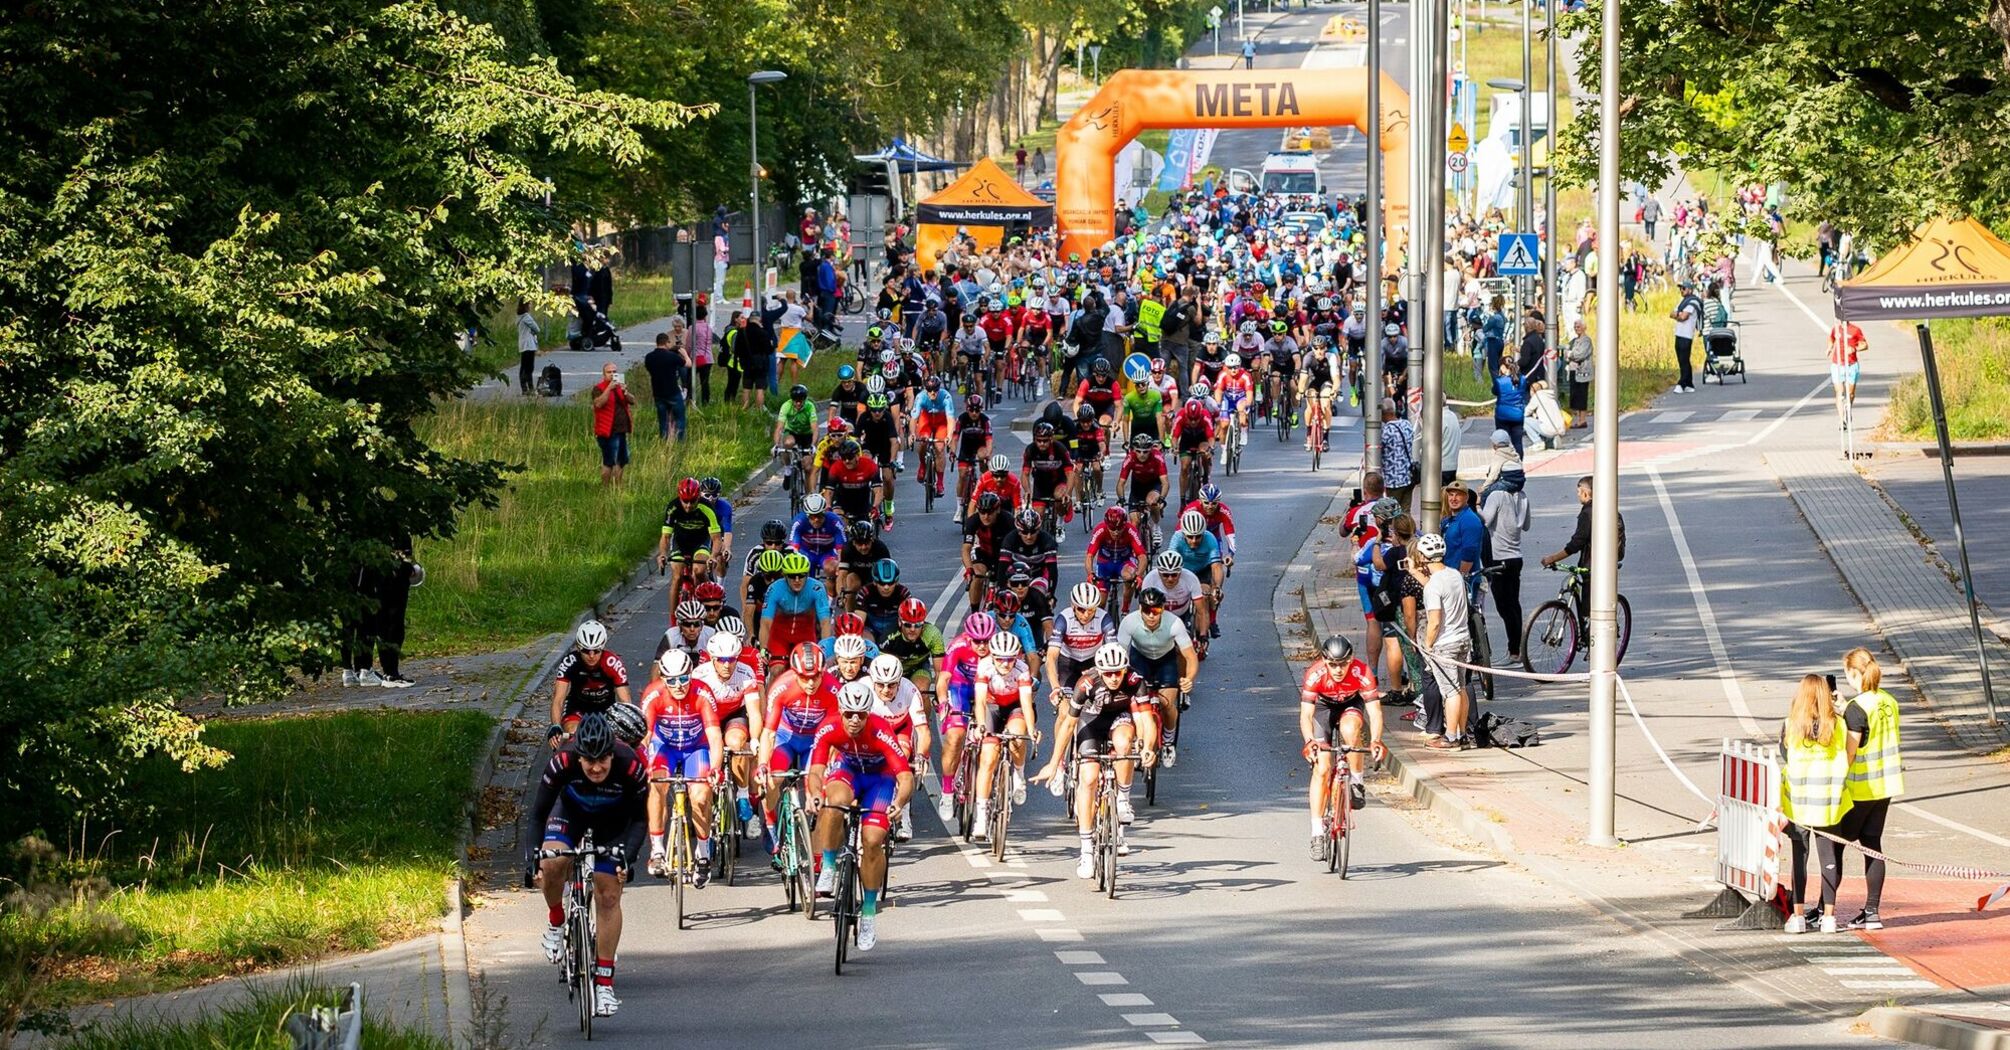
[
  {"x": 588, "y": 318},
  {"x": 1721, "y": 356}
]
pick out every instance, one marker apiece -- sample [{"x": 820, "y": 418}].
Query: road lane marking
[
  {"x": 1734, "y": 693},
  {"x": 1125, "y": 999},
  {"x": 1080, "y": 958},
  {"x": 1680, "y": 416},
  {"x": 1100, "y": 977},
  {"x": 1739, "y": 415},
  {"x": 1051, "y": 933},
  {"x": 1144, "y": 1020},
  {"x": 1025, "y": 897},
  {"x": 1957, "y": 826},
  {"x": 1866, "y": 986},
  {"x": 1040, "y": 914},
  {"x": 1788, "y": 414},
  {"x": 1176, "y": 1037},
  {"x": 1867, "y": 971}
]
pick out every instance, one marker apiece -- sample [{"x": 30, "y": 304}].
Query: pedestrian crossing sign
[{"x": 1518, "y": 256}]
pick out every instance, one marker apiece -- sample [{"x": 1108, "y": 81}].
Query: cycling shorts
[
  {"x": 1191, "y": 440},
  {"x": 690, "y": 551},
  {"x": 692, "y": 763},
  {"x": 1367, "y": 604},
  {"x": 1160, "y": 671},
  {"x": 792, "y": 751},
  {"x": 568, "y": 826},
  {"x": 1849, "y": 373},
  {"x": 1231, "y": 400},
  {"x": 882, "y": 625},
  {"x": 1070, "y": 670},
  {"x": 931, "y": 426},
  {"x": 1108, "y": 569},
  {"x": 1092, "y": 735},
  {"x": 788, "y": 631},
  {"x": 1001, "y": 716},
  {"x": 1326, "y": 714},
  {"x": 818, "y": 558},
  {"x": 873, "y": 791}
]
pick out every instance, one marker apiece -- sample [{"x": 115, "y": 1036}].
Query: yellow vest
[
  {"x": 1150, "y": 313},
  {"x": 1876, "y": 772},
  {"x": 1811, "y": 781}
]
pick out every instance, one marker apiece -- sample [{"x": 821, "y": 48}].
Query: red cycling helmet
[
  {"x": 913, "y": 610},
  {"x": 848, "y": 623},
  {"x": 1005, "y": 602},
  {"x": 980, "y": 626},
  {"x": 1114, "y": 517},
  {"x": 806, "y": 659},
  {"x": 839, "y": 426},
  {"x": 710, "y": 591},
  {"x": 687, "y": 490}
]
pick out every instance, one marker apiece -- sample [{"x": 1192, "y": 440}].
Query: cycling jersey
[
  {"x": 1146, "y": 473},
  {"x": 873, "y": 752},
  {"x": 818, "y": 537},
  {"x": 962, "y": 659},
  {"x": 881, "y": 609},
  {"x": 1322, "y": 684},
  {"x": 1143, "y": 406},
  {"x": 692, "y": 644},
  {"x": 1156, "y": 644},
  {"x": 860, "y": 562},
  {"x": 984, "y": 539},
  {"x": 938, "y": 403},
  {"x": 1095, "y": 696},
  {"x": 795, "y": 709},
  {"x": 1102, "y": 398},
  {"x": 690, "y": 528},
  {"x": 1038, "y": 557},
  {"x": 973, "y": 432},
  {"x": 848, "y": 400},
  {"x": 921, "y": 653},
  {"x": 1004, "y": 679},
  {"x": 1193, "y": 429},
  {"x": 851, "y": 483},
  {"x": 1180, "y": 593},
  {"x": 592, "y": 687},
  {"x": 997, "y": 327},
  {"x": 1197, "y": 557},
  {"x": 1048, "y": 467},
  {"x": 1077, "y": 640},
  {"x": 1118, "y": 546},
  {"x": 1034, "y": 329},
  {"x": 972, "y": 342},
  {"x": 1088, "y": 443},
  {"x": 1006, "y": 487},
  {"x": 876, "y": 431},
  {"x": 1220, "y": 524},
  {"x": 569, "y": 804},
  {"x": 800, "y": 419},
  {"x": 1283, "y": 351},
  {"x": 902, "y": 712},
  {"x": 731, "y": 692},
  {"x": 812, "y": 601},
  {"x": 1235, "y": 387},
  {"x": 677, "y": 723}
]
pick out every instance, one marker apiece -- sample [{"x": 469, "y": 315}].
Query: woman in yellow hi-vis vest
[
  {"x": 1814, "y": 764},
  {"x": 1875, "y": 776}
]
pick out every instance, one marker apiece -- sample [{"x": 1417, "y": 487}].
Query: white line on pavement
[
  {"x": 1080, "y": 958},
  {"x": 1100, "y": 977},
  {"x": 1049, "y": 933},
  {"x": 1788, "y": 414},
  {"x": 1915, "y": 983},
  {"x": 1957, "y": 826},
  {"x": 1142, "y": 1020},
  {"x": 1125, "y": 999},
  {"x": 1733, "y": 692}
]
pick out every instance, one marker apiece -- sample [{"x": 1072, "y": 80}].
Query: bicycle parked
[{"x": 1558, "y": 630}]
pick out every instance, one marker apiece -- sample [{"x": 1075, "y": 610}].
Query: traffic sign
[
  {"x": 1518, "y": 256},
  {"x": 1456, "y": 142},
  {"x": 1456, "y": 163},
  {"x": 1214, "y": 12}
]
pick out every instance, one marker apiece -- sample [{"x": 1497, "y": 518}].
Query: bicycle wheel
[
  {"x": 1317, "y": 448},
  {"x": 1109, "y": 830},
  {"x": 843, "y": 909},
  {"x": 928, "y": 485},
  {"x": 1334, "y": 785},
  {"x": 1344, "y": 827},
  {"x": 1480, "y": 683},
  {"x": 727, "y": 842},
  {"x": 1549, "y": 643},
  {"x": 1625, "y": 628},
  {"x": 1284, "y": 420},
  {"x": 1001, "y": 802},
  {"x": 1152, "y": 784},
  {"x": 680, "y": 864},
  {"x": 583, "y": 968},
  {"x": 805, "y": 872}
]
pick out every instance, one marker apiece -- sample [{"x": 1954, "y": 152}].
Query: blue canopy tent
[{"x": 900, "y": 158}]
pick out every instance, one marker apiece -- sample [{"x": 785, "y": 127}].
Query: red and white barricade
[{"x": 1748, "y": 818}]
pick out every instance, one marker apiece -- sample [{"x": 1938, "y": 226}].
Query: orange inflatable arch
[{"x": 1136, "y": 99}]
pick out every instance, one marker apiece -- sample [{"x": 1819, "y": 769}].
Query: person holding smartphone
[{"x": 613, "y": 418}]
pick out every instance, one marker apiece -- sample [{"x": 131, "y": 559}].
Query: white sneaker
[
  {"x": 982, "y": 823},
  {"x": 395, "y": 682},
  {"x": 1085, "y": 868},
  {"x": 348, "y": 676},
  {"x": 1796, "y": 924},
  {"x": 1057, "y": 785},
  {"x": 826, "y": 882},
  {"x": 1018, "y": 787},
  {"x": 655, "y": 868},
  {"x": 1123, "y": 844},
  {"x": 868, "y": 932},
  {"x": 554, "y": 943},
  {"x": 1168, "y": 756},
  {"x": 1828, "y": 924},
  {"x": 368, "y": 677},
  {"x": 604, "y": 1002},
  {"x": 1125, "y": 813},
  {"x": 945, "y": 807},
  {"x": 905, "y": 829}
]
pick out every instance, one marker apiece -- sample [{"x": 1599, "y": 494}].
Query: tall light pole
[
  {"x": 1424, "y": 17},
  {"x": 754, "y": 80},
  {"x": 1371, "y": 377},
  {"x": 1605, "y": 448},
  {"x": 1430, "y": 253},
  {"x": 1552, "y": 319}
]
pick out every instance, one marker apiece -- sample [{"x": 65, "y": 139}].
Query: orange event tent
[{"x": 986, "y": 202}]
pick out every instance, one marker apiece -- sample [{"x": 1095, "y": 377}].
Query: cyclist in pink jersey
[{"x": 954, "y": 693}]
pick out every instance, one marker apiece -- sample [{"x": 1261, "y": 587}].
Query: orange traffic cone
[{"x": 747, "y": 300}]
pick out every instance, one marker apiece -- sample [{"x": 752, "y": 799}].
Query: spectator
[
  {"x": 1875, "y": 775},
  {"x": 722, "y": 255},
  {"x": 1817, "y": 756},
  {"x": 1544, "y": 420},
  {"x": 1465, "y": 534},
  {"x": 1019, "y": 163},
  {"x": 1399, "y": 439},
  {"x": 1504, "y": 507},
  {"x": 1511, "y": 402},
  {"x": 1534, "y": 345},
  {"x": 729, "y": 353},
  {"x": 754, "y": 348},
  {"x": 528, "y": 334},
  {"x": 393, "y": 595},
  {"x": 1039, "y": 162},
  {"x": 1688, "y": 313},
  {"x": 701, "y": 350},
  {"x": 1493, "y": 333},
  {"x": 1249, "y": 54},
  {"x": 666, "y": 384},
  {"x": 1445, "y": 638},
  {"x": 788, "y": 312},
  {"x": 827, "y": 291},
  {"x": 1577, "y": 368},
  {"x": 613, "y": 418},
  {"x": 1451, "y": 432},
  {"x": 1396, "y": 597},
  {"x": 1580, "y": 537},
  {"x": 1650, "y": 215}
]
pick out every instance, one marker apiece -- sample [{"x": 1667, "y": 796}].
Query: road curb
[{"x": 1932, "y": 1029}]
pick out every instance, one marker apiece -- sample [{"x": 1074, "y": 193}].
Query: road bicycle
[
  {"x": 963, "y": 790},
  {"x": 931, "y": 474},
  {"x": 1287, "y": 410},
  {"x": 1089, "y": 496},
  {"x": 1192, "y": 474},
  {"x": 795, "y": 476},
  {"x": 1557, "y": 631},
  {"x": 680, "y": 864},
  {"x": 846, "y": 888},
  {"x": 575, "y": 965},
  {"x": 1231, "y": 431},
  {"x": 1000, "y": 789},
  {"x": 726, "y": 821},
  {"x": 1107, "y": 830},
  {"x": 1165, "y": 739},
  {"x": 1337, "y": 822},
  {"x": 793, "y": 852}
]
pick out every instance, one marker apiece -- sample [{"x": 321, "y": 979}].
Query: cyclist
[
  {"x": 955, "y": 690},
  {"x": 688, "y": 634},
  {"x": 764, "y": 567},
  {"x": 684, "y": 740},
  {"x": 1193, "y": 433},
  {"x": 1846, "y": 344},
  {"x": 1162, "y": 653},
  {"x": 798, "y": 702},
  {"x": 862, "y": 550},
  {"x": 1237, "y": 389},
  {"x": 1036, "y": 607},
  {"x": 796, "y": 421},
  {"x": 1144, "y": 469},
  {"x": 895, "y": 699},
  {"x": 1029, "y": 549},
  {"x": 1200, "y": 553},
  {"x": 971, "y": 342},
  {"x": 998, "y": 481},
  {"x": 1220, "y": 523},
  {"x": 1004, "y": 702},
  {"x": 1113, "y": 554},
  {"x": 882, "y": 598},
  {"x": 1321, "y": 383},
  {"x": 589, "y": 679},
  {"x": 713, "y": 492},
  {"x": 983, "y": 534},
  {"x": 848, "y": 396},
  {"x": 856, "y": 759},
  {"x": 918, "y": 643},
  {"x": 973, "y": 446},
  {"x": 736, "y": 694},
  {"x": 1185, "y": 597},
  {"x": 1004, "y": 605},
  {"x": 879, "y": 431},
  {"x": 835, "y": 435},
  {"x": 1047, "y": 474},
  {"x": 797, "y": 609},
  {"x": 1282, "y": 351},
  {"x": 845, "y": 659},
  {"x": 1097, "y": 716},
  {"x": 1144, "y": 411},
  {"x": 595, "y": 785},
  {"x": 1212, "y": 358},
  {"x": 1099, "y": 391},
  {"x": 1167, "y": 385},
  {"x": 852, "y": 484},
  {"x": 932, "y": 408},
  {"x": 1078, "y": 633},
  {"x": 1087, "y": 448},
  {"x": 691, "y": 538},
  {"x": 1338, "y": 693},
  {"x": 711, "y": 597}
]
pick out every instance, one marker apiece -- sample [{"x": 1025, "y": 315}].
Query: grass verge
[
  {"x": 1646, "y": 358},
  {"x": 1974, "y": 361},
  {"x": 556, "y": 538},
  {"x": 253, "y": 1025},
  {"x": 326, "y": 833}
]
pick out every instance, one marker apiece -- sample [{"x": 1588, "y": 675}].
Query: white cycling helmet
[
  {"x": 1087, "y": 596},
  {"x": 591, "y": 635},
  {"x": 999, "y": 462},
  {"x": 855, "y": 698},
  {"x": 675, "y": 664},
  {"x": 1212, "y": 337},
  {"x": 875, "y": 384},
  {"x": 1200, "y": 388},
  {"x": 813, "y": 504},
  {"x": 1193, "y": 523},
  {"x": 1232, "y": 361},
  {"x": 723, "y": 647},
  {"x": 885, "y": 669},
  {"x": 1005, "y": 645},
  {"x": 1431, "y": 546},
  {"x": 1168, "y": 561},
  {"x": 849, "y": 647},
  {"x": 1113, "y": 657},
  {"x": 887, "y": 357},
  {"x": 1247, "y": 328}
]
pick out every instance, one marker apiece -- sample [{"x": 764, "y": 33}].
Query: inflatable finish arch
[{"x": 1137, "y": 99}]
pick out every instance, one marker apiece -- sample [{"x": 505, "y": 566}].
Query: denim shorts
[{"x": 613, "y": 450}]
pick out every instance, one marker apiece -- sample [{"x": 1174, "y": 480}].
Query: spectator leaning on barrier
[
  {"x": 1815, "y": 758},
  {"x": 1875, "y": 774}
]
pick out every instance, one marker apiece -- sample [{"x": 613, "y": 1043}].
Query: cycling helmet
[
  {"x": 1200, "y": 389},
  {"x": 875, "y": 387},
  {"x": 1114, "y": 517},
  {"x": 1151, "y": 598},
  {"x": 932, "y": 384},
  {"x": 914, "y": 610},
  {"x": 798, "y": 392},
  {"x": 1100, "y": 368},
  {"x": 875, "y": 334},
  {"x": 1005, "y": 603},
  {"x": 848, "y": 624},
  {"x": 690, "y": 612},
  {"x": 886, "y": 570},
  {"x": 1325, "y": 303},
  {"x": 856, "y": 698},
  {"x": 591, "y": 635},
  {"x": 774, "y": 530},
  {"x": 1193, "y": 523},
  {"x": 878, "y": 401},
  {"x": 885, "y": 669},
  {"x": 627, "y": 723},
  {"x": 839, "y": 426},
  {"x": 848, "y": 449},
  {"x": 1113, "y": 657},
  {"x": 845, "y": 373},
  {"x": 1043, "y": 429},
  {"x": 1210, "y": 493},
  {"x": 1247, "y": 328},
  {"x": 1211, "y": 338},
  {"x": 1005, "y": 646},
  {"x": 1027, "y": 520},
  {"x": 1168, "y": 561},
  {"x": 1385, "y": 509},
  {"x": 723, "y": 647},
  {"x": 806, "y": 659},
  {"x": 980, "y": 626},
  {"x": 974, "y": 403},
  {"x": 795, "y": 563},
  {"x": 1431, "y": 546},
  {"x": 1000, "y": 465},
  {"x": 687, "y": 490},
  {"x": 864, "y": 532},
  {"x": 1143, "y": 442},
  {"x": 1337, "y": 649},
  {"x": 998, "y": 302},
  {"x": 813, "y": 504},
  {"x": 988, "y": 502},
  {"x": 1392, "y": 328},
  {"x": 732, "y": 625},
  {"x": 1086, "y": 413},
  {"x": 594, "y": 738},
  {"x": 710, "y": 487},
  {"x": 1232, "y": 361},
  {"x": 1086, "y": 596},
  {"x": 849, "y": 647},
  {"x": 770, "y": 561},
  {"x": 1278, "y": 326},
  {"x": 675, "y": 664},
  {"x": 1158, "y": 365},
  {"x": 890, "y": 370},
  {"x": 710, "y": 591},
  {"x": 888, "y": 356}
]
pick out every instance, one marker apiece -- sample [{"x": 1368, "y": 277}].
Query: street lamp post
[
  {"x": 1423, "y": 95},
  {"x": 1430, "y": 253},
  {"x": 1552, "y": 319},
  {"x": 1371, "y": 381},
  {"x": 755, "y": 79},
  {"x": 1605, "y": 450}
]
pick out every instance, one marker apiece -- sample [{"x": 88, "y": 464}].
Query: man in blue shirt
[{"x": 1465, "y": 534}]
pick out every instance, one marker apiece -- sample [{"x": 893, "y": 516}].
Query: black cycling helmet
[
  {"x": 594, "y": 738},
  {"x": 1100, "y": 369},
  {"x": 1086, "y": 413},
  {"x": 988, "y": 503},
  {"x": 1027, "y": 520},
  {"x": 848, "y": 449},
  {"x": 1143, "y": 442},
  {"x": 1043, "y": 429},
  {"x": 1337, "y": 649},
  {"x": 864, "y": 532},
  {"x": 798, "y": 392},
  {"x": 627, "y": 723},
  {"x": 710, "y": 488},
  {"x": 1151, "y": 598}
]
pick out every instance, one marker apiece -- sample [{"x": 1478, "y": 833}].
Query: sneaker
[
  {"x": 704, "y": 873},
  {"x": 1795, "y": 924},
  {"x": 945, "y": 808},
  {"x": 745, "y": 808},
  {"x": 1466, "y": 744},
  {"x": 1085, "y": 866},
  {"x": 1828, "y": 924},
  {"x": 348, "y": 676},
  {"x": 1214, "y": 630},
  {"x": 868, "y": 932},
  {"x": 1359, "y": 793},
  {"x": 1169, "y": 756},
  {"x": 1318, "y": 848},
  {"x": 982, "y": 823},
  {"x": 1057, "y": 785},
  {"x": 903, "y": 831},
  {"x": 1438, "y": 743},
  {"x": 1125, "y": 812},
  {"x": 656, "y": 867},
  {"x": 826, "y": 883},
  {"x": 1123, "y": 844},
  {"x": 604, "y": 1002},
  {"x": 395, "y": 682},
  {"x": 1018, "y": 787},
  {"x": 1867, "y": 919},
  {"x": 554, "y": 943},
  {"x": 368, "y": 677}
]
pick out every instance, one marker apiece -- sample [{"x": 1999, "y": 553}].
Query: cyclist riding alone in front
[
  {"x": 1338, "y": 693},
  {"x": 594, "y": 785}
]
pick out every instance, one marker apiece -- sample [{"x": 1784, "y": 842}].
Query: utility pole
[
  {"x": 1525, "y": 189},
  {"x": 1430, "y": 252},
  {"x": 1605, "y": 450},
  {"x": 1551, "y": 316},
  {"x": 1423, "y": 15},
  {"x": 1371, "y": 375}
]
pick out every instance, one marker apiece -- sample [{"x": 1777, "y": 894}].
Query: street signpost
[
  {"x": 1096, "y": 61},
  {"x": 1456, "y": 141},
  {"x": 1520, "y": 255},
  {"x": 1456, "y": 163},
  {"x": 1214, "y": 23}
]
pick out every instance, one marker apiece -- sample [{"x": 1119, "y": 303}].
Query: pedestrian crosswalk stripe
[
  {"x": 1673, "y": 417},
  {"x": 1740, "y": 415}
]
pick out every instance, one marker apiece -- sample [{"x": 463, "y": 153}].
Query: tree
[{"x": 243, "y": 237}]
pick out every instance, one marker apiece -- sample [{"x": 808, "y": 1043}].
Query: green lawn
[
  {"x": 327, "y": 833},
  {"x": 556, "y": 538},
  {"x": 1974, "y": 361},
  {"x": 254, "y": 1025}
]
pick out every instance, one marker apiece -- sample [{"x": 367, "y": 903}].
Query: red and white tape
[{"x": 1950, "y": 871}]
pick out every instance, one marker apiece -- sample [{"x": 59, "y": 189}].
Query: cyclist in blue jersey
[
  {"x": 713, "y": 493},
  {"x": 1200, "y": 553},
  {"x": 818, "y": 533},
  {"x": 797, "y": 609}
]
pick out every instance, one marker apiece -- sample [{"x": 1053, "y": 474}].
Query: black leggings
[
  {"x": 1864, "y": 825},
  {"x": 1830, "y": 853}
]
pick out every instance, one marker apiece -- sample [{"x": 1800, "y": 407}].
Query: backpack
[
  {"x": 1492, "y": 730},
  {"x": 551, "y": 382}
]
